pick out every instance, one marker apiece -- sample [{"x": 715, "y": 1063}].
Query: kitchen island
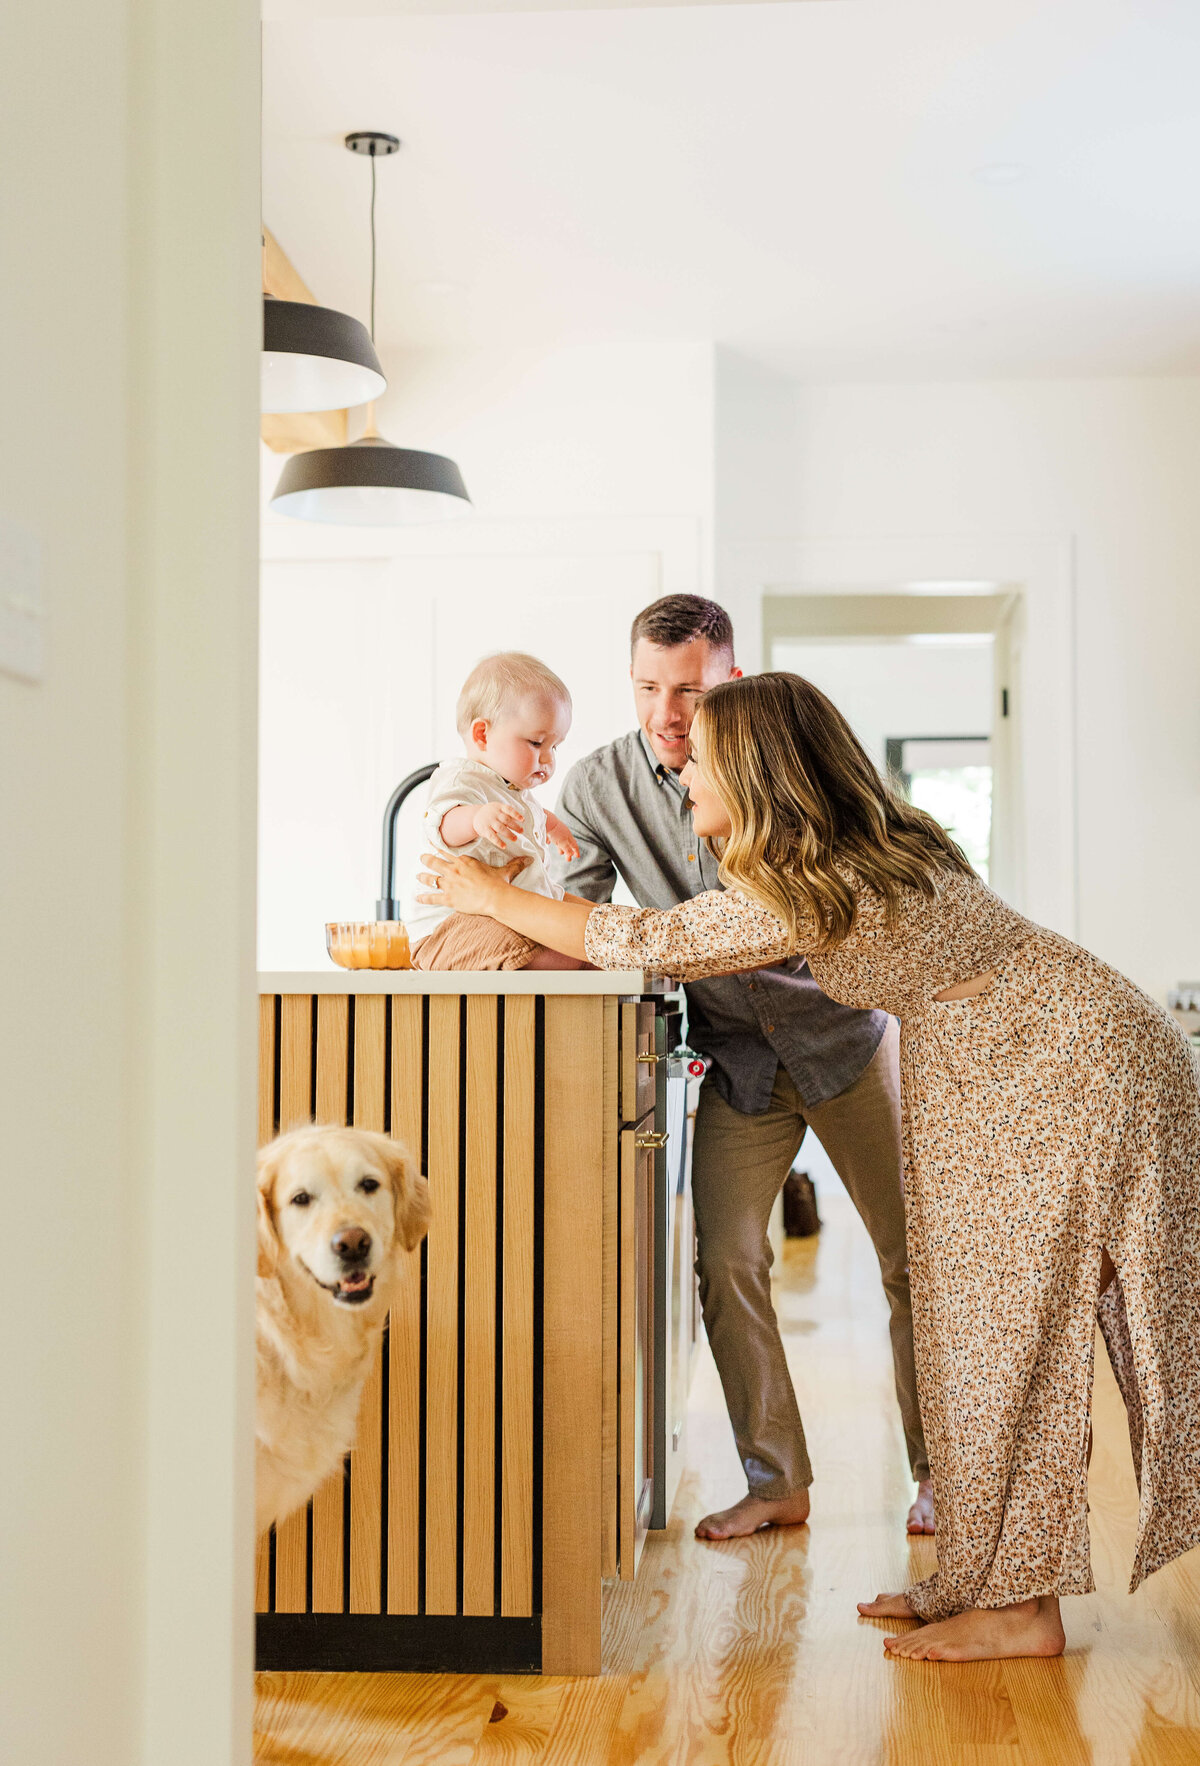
[{"x": 505, "y": 1461}]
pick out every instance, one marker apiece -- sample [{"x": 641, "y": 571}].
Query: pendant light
[
  {"x": 316, "y": 359},
  {"x": 369, "y": 482}
]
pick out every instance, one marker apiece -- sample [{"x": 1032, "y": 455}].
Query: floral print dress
[{"x": 1047, "y": 1119}]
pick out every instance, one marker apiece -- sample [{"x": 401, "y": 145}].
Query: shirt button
[
  {"x": 770, "y": 1027},
  {"x": 691, "y": 858},
  {"x": 750, "y": 985}
]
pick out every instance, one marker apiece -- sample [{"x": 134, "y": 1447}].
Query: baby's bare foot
[
  {"x": 921, "y": 1516},
  {"x": 1028, "y": 1628},
  {"x": 753, "y": 1513}
]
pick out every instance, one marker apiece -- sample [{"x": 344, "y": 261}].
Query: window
[{"x": 951, "y": 778}]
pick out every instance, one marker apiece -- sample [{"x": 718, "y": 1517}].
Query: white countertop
[{"x": 577, "y": 981}]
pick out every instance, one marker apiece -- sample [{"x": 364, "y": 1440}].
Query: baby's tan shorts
[{"x": 473, "y": 941}]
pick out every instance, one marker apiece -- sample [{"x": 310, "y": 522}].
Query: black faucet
[{"x": 388, "y": 907}]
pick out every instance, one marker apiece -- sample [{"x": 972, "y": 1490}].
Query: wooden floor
[{"x": 752, "y": 1653}]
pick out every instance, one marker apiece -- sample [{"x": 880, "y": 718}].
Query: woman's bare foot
[
  {"x": 752, "y": 1513},
  {"x": 921, "y": 1517},
  {"x": 1028, "y": 1628},
  {"x": 886, "y": 1606}
]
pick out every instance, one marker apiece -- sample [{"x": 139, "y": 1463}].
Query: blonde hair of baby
[{"x": 505, "y": 679}]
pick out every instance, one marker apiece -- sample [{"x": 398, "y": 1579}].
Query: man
[{"x": 783, "y": 1056}]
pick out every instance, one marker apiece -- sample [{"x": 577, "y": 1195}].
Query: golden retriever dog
[{"x": 338, "y": 1208}]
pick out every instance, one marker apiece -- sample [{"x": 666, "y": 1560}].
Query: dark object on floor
[{"x": 800, "y": 1217}]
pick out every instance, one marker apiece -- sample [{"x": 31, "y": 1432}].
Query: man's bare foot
[
  {"x": 753, "y": 1512},
  {"x": 1029, "y": 1628},
  {"x": 921, "y": 1516},
  {"x": 886, "y": 1606}
]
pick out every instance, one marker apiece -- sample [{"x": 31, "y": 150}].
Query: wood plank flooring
[{"x": 751, "y": 1653}]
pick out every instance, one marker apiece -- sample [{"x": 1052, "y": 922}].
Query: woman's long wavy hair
[{"x": 803, "y": 796}]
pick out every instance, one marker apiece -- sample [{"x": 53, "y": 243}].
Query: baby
[{"x": 512, "y": 714}]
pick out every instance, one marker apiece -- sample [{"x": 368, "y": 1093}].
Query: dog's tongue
[{"x": 353, "y": 1284}]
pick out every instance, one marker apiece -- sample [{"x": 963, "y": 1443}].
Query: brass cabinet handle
[
  {"x": 648, "y": 1059},
  {"x": 650, "y": 1139}
]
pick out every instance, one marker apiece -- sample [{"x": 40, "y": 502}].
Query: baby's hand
[
  {"x": 562, "y": 840},
  {"x": 498, "y": 823}
]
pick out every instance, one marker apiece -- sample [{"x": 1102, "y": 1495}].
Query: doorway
[
  {"x": 951, "y": 778},
  {"x": 929, "y": 683}
]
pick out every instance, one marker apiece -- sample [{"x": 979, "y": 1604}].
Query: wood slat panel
[
  {"x": 329, "y": 1502},
  {"x": 573, "y": 1163},
  {"x": 295, "y": 1060},
  {"x": 608, "y": 1318},
  {"x": 627, "y": 1400},
  {"x": 328, "y": 1544},
  {"x": 262, "y": 1573},
  {"x": 516, "y": 1501},
  {"x": 404, "y": 1362},
  {"x": 333, "y": 1043},
  {"x": 295, "y": 1108},
  {"x": 479, "y": 1313},
  {"x": 266, "y": 1068},
  {"x": 370, "y": 1060},
  {"x": 408, "y": 1076},
  {"x": 441, "y": 1365},
  {"x": 751, "y": 1654},
  {"x": 266, "y": 1129},
  {"x": 366, "y": 1456}
]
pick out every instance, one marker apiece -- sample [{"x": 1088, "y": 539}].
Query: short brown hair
[{"x": 681, "y": 619}]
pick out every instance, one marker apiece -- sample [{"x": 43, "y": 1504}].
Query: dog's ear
[
  {"x": 268, "y": 1232},
  {"x": 410, "y": 1195}
]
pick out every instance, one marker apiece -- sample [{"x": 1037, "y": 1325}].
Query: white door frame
[
  {"x": 1041, "y": 569},
  {"x": 194, "y": 136}
]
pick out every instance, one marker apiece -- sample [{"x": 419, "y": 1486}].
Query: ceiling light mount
[{"x": 373, "y": 142}]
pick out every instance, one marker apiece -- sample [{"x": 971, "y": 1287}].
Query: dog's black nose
[{"x": 352, "y": 1244}]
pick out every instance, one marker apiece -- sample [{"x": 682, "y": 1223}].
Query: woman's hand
[{"x": 466, "y": 885}]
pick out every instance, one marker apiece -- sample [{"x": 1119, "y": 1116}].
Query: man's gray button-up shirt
[{"x": 631, "y": 818}]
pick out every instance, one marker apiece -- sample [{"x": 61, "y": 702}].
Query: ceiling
[{"x": 838, "y": 189}]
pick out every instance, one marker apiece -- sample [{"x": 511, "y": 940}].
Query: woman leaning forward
[{"x": 1051, "y": 1140}]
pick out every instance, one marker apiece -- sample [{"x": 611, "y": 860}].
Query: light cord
[{"x": 372, "y": 242}]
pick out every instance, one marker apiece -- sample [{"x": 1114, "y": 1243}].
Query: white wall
[
  {"x": 128, "y": 359},
  {"x": 1113, "y": 466},
  {"x": 724, "y": 477},
  {"x": 361, "y": 669},
  {"x": 591, "y": 470},
  {"x": 755, "y": 447},
  {"x": 900, "y": 688},
  {"x": 609, "y": 429},
  {"x": 1083, "y": 493}
]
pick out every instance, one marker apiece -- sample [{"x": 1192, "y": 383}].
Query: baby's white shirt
[{"x": 473, "y": 782}]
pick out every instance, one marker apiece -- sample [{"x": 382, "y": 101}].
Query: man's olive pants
[{"x": 738, "y": 1168}]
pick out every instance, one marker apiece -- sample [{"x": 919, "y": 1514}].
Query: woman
[{"x": 1052, "y": 1147}]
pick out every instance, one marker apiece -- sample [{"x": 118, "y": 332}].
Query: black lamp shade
[
  {"x": 316, "y": 359},
  {"x": 370, "y": 483}
]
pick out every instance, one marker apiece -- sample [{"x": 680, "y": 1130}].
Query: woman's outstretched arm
[
  {"x": 467, "y": 886},
  {"x": 719, "y": 933}
]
